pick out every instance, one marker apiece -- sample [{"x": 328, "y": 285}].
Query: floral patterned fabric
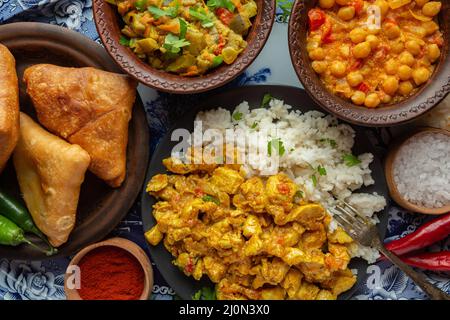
[{"x": 45, "y": 280}]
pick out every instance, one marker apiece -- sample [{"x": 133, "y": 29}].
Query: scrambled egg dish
[{"x": 254, "y": 238}]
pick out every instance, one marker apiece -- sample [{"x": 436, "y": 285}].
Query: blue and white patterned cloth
[{"x": 45, "y": 280}]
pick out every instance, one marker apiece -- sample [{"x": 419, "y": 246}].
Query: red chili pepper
[
  {"x": 283, "y": 188},
  {"x": 438, "y": 261},
  {"x": 190, "y": 266},
  {"x": 356, "y": 65},
  {"x": 198, "y": 192},
  {"x": 364, "y": 87},
  {"x": 327, "y": 28},
  {"x": 225, "y": 15},
  {"x": 316, "y": 18},
  {"x": 220, "y": 45},
  {"x": 429, "y": 233},
  {"x": 358, "y": 5}
]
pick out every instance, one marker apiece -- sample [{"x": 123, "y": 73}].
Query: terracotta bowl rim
[
  {"x": 428, "y": 96},
  {"x": 106, "y": 23},
  {"x": 135, "y": 250}
]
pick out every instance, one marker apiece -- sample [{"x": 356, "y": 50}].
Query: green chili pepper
[
  {"x": 12, "y": 235},
  {"x": 18, "y": 214}
]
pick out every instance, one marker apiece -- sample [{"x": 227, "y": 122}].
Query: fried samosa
[
  {"x": 9, "y": 105},
  {"x": 89, "y": 107},
  {"x": 50, "y": 172}
]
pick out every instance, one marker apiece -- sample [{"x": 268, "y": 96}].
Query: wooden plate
[
  {"x": 428, "y": 96},
  {"x": 185, "y": 286},
  {"x": 108, "y": 23},
  {"x": 100, "y": 208}
]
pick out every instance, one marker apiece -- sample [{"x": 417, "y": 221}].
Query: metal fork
[{"x": 363, "y": 231}]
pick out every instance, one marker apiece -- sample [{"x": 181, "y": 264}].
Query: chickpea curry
[
  {"x": 186, "y": 37},
  {"x": 374, "y": 63},
  {"x": 253, "y": 238}
]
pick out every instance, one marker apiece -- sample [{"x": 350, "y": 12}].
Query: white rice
[{"x": 308, "y": 139}]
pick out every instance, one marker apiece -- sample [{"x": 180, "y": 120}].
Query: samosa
[
  {"x": 89, "y": 107},
  {"x": 50, "y": 172}
]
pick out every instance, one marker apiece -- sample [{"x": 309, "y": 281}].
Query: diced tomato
[
  {"x": 199, "y": 192},
  {"x": 190, "y": 266},
  {"x": 356, "y": 65},
  {"x": 283, "y": 188},
  {"x": 225, "y": 15},
  {"x": 358, "y": 5},
  {"x": 363, "y": 87},
  {"x": 220, "y": 45},
  {"x": 327, "y": 29},
  {"x": 316, "y": 18}
]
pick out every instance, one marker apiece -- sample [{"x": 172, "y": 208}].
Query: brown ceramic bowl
[
  {"x": 388, "y": 169},
  {"x": 108, "y": 26},
  {"x": 425, "y": 99},
  {"x": 127, "y": 245}
]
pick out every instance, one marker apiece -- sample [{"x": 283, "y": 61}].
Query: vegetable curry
[
  {"x": 186, "y": 37},
  {"x": 254, "y": 238},
  {"x": 369, "y": 61}
]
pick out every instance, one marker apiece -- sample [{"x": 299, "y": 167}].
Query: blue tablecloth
[{"x": 45, "y": 280}]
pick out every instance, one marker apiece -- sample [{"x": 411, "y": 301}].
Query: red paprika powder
[{"x": 110, "y": 273}]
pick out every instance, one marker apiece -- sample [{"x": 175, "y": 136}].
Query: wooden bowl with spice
[
  {"x": 417, "y": 171},
  {"x": 115, "y": 269}
]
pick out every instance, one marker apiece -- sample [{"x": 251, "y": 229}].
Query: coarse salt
[{"x": 422, "y": 170}]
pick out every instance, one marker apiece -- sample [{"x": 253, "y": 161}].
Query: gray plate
[{"x": 187, "y": 286}]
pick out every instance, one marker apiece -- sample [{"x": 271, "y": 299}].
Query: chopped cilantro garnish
[
  {"x": 314, "y": 180},
  {"x": 237, "y": 116},
  {"x": 169, "y": 11},
  {"x": 208, "y": 198},
  {"x": 217, "y": 61},
  {"x": 266, "y": 100},
  {"x": 321, "y": 170},
  {"x": 173, "y": 44},
  {"x": 124, "y": 41},
  {"x": 350, "y": 160},
  {"x": 332, "y": 142},
  {"x": 140, "y": 5},
  {"x": 183, "y": 28},
  {"x": 205, "y": 294},
  {"x": 299, "y": 194},
  {"x": 254, "y": 125},
  {"x": 277, "y": 145},
  {"x": 214, "y": 4},
  {"x": 201, "y": 15}
]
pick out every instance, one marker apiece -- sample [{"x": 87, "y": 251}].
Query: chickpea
[
  {"x": 420, "y": 3},
  {"x": 358, "y": 97},
  {"x": 421, "y": 75},
  {"x": 354, "y": 78},
  {"x": 430, "y": 27},
  {"x": 386, "y": 98},
  {"x": 338, "y": 69},
  {"x": 319, "y": 66},
  {"x": 404, "y": 72},
  {"x": 383, "y": 5},
  {"x": 358, "y": 35},
  {"x": 344, "y": 50},
  {"x": 390, "y": 85},
  {"x": 372, "y": 100},
  {"x": 397, "y": 47},
  {"x": 373, "y": 40},
  {"x": 362, "y": 50},
  {"x": 433, "y": 52},
  {"x": 312, "y": 44},
  {"x": 413, "y": 47},
  {"x": 326, "y": 4},
  {"x": 317, "y": 54},
  {"x": 406, "y": 58},
  {"x": 391, "y": 30},
  {"x": 431, "y": 8},
  {"x": 342, "y": 2},
  {"x": 405, "y": 88},
  {"x": 391, "y": 66},
  {"x": 419, "y": 31},
  {"x": 346, "y": 13}
]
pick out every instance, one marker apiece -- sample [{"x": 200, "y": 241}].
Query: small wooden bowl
[
  {"x": 427, "y": 97},
  {"x": 107, "y": 23},
  {"x": 388, "y": 169},
  {"x": 131, "y": 247}
]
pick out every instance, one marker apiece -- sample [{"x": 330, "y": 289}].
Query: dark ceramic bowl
[
  {"x": 108, "y": 25},
  {"x": 428, "y": 96}
]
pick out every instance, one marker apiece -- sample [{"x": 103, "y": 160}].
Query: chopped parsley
[
  {"x": 208, "y": 198},
  {"x": 205, "y": 294},
  {"x": 321, "y": 170},
  {"x": 124, "y": 41},
  {"x": 201, "y": 15},
  {"x": 350, "y": 160},
  {"x": 266, "y": 100},
  {"x": 214, "y": 4},
  {"x": 237, "y": 116},
  {"x": 173, "y": 44},
  {"x": 277, "y": 145}
]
